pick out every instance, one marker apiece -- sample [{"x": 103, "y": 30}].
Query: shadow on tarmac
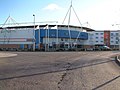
[
  {"x": 106, "y": 83},
  {"x": 62, "y": 69}
]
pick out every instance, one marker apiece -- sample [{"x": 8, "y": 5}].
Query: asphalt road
[{"x": 60, "y": 71}]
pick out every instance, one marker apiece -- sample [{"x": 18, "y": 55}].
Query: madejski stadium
[{"x": 43, "y": 37}]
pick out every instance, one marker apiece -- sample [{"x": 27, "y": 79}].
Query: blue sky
[{"x": 100, "y": 14}]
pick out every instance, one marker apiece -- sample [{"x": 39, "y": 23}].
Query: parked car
[
  {"x": 102, "y": 47},
  {"x": 105, "y": 48}
]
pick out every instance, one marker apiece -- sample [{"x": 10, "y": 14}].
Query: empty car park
[{"x": 59, "y": 71}]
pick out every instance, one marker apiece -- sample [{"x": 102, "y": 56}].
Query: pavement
[
  {"x": 60, "y": 71},
  {"x": 6, "y": 54}
]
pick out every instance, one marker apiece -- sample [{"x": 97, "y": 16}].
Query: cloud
[{"x": 52, "y": 7}]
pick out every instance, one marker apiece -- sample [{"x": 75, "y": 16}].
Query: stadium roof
[{"x": 32, "y": 26}]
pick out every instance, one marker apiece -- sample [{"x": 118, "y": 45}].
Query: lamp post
[{"x": 34, "y": 34}]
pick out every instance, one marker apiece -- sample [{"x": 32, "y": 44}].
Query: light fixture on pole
[{"x": 34, "y": 34}]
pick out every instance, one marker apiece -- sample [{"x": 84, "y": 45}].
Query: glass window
[
  {"x": 116, "y": 34},
  {"x": 116, "y": 42},
  {"x": 117, "y": 38},
  {"x": 112, "y": 34},
  {"x": 111, "y": 37},
  {"x": 101, "y": 33},
  {"x": 96, "y": 37},
  {"x": 96, "y": 41}
]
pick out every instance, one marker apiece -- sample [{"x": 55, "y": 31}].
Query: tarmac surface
[{"x": 59, "y": 71}]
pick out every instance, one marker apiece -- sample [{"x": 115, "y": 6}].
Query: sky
[{"x": 95, "y": 14}]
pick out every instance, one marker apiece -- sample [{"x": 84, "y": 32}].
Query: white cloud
[{"x": 52, "y": 7}]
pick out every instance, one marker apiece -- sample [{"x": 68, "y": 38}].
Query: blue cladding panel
[
  {"x": 63, "y": 34},
  {"x": 36, "y": 36},
  {"x": 74, "y": 34},
  {"x": 42, "y": 32},
  {"x": 22, "y": 46},
  {"x": 41, "y": 40},
  {"x": 53, "y": 33},
  {"x": 36, "y": 47}
]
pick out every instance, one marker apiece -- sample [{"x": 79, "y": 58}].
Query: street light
[{"x": 34, "y": 34}]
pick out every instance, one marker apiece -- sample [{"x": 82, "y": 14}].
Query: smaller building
[
  {"x": 43, "y": 37},
  {"x": 104, "y": 37}
]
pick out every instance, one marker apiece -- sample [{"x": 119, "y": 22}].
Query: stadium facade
[
  {"x": 42, "y": 37},
  {"x": 110, "y": 38}
]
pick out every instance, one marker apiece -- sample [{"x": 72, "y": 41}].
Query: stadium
[{"x": 43, "y": 37}]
